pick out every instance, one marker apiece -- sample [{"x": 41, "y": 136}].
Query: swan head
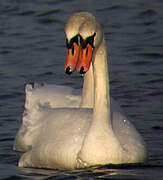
[
  {"x": 91, "y": 37},
  {"x": 72, "y": 39},
  {"x": 83, "y": 36}
]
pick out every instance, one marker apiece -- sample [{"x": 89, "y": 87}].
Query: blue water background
[{"x": 32, "y": 49}]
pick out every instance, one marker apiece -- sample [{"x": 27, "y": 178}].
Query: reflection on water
[
  {"x": 32, "y": 49},
  {"x": 100, "y": 172},
  {"x": 103, "y": 172}
]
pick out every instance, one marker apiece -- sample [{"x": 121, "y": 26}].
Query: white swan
[
  {"x": 54, "y": 96},
  {"x": 79, "y": 137}
]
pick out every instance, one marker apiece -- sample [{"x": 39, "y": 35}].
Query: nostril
[
  {"x": 82, "y": 70},
  {"x": 68, "y": 70}
]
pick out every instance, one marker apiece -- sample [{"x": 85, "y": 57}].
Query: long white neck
[
  {"x": 101, "y": 114},
  {"x": 87, "y": 100},
  {"x": 100, "y": 141},
  {"x": 95, "y": 91}
]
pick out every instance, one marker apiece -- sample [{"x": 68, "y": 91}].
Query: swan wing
[{"x": 47, "y": 95}]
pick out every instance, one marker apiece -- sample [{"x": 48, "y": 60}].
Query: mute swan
[
  {"x": 72, "y": 138},
  {"x": 55, "y": 96}
]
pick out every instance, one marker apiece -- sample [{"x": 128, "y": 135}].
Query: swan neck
[
  {"x": 101, "y": 86},
  {"x": 87, "y": 100}
]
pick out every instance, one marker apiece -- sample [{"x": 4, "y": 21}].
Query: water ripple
[
  {"x": 147, "y": 13},
  {"x": 32, "y": 48}
]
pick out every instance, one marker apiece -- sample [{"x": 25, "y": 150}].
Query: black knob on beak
[
  {"x": 82, "y": 70},
  {"x": 68, "y": 70}
]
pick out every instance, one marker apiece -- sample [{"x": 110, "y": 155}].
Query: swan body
[
  {"x": 47, "y": 96},
  {"x": 58, "y": 147},
  {"x": 78, "y": 137}
]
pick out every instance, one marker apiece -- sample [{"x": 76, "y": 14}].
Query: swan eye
[
  {"x": 69, "y": 44},
  {"x": 88, "y": 40}
]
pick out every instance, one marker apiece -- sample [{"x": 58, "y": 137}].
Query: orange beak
[
  {"x": 85, "y": 58},
  {"x": 72, "y": 58}
]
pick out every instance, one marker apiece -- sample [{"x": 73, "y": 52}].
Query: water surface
[{"x": 32, "y": 49}]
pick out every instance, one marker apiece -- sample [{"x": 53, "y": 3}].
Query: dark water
[{"x": 32, "y": 49}]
